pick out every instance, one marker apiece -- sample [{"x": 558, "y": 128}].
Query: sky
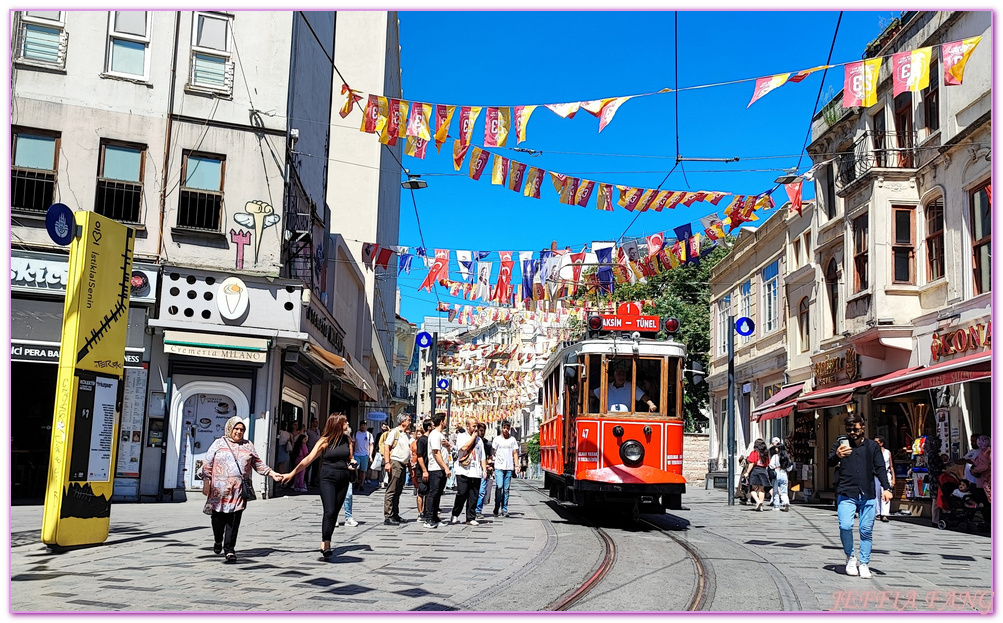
[{"x": 522, "y": 57}]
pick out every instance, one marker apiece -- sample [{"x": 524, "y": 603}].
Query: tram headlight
[{"x": 632, "y": 452}]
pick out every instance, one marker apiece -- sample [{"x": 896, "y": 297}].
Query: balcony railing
[
  {"x": 883, "y": 150},
  {"x": 400, "y": 392}
]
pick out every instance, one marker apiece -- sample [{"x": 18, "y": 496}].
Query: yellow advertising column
[{"x": 91, "y": 361}]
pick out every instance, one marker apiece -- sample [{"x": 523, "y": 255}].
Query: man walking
[
  {"x": 484, "y": 495},
  {"x": 363, "y": 450},
  {"x": 506, "y": 458},
  {"x": 312, "y": 435},
  {"x": 396, "y": 456},
  {"x": 438, "y": 470},
  {"x": 421, "y": 470},
  {"x": 470, "y": 467},
  {"x": 858, "y": 461}
]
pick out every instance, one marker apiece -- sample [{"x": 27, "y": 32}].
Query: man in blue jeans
[
  {"x": 858, "y": 461},
  {"x": 506, "y": 458}
]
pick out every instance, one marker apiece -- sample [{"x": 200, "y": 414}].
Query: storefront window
[{"x": 981, "y": 237}]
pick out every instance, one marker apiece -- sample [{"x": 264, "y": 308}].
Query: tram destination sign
[{"x": 630, "y": 323}]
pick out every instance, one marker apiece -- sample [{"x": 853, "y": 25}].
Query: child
[{"x": 964, "y": 494}]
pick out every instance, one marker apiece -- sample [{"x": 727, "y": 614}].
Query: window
[
  {"x": 981, "y": 236},
  {"x": 832, "y": 287},
  {"x": 33, "y": 172},
  {"x": 120, "y": 182},
  {"x": 201, "y": 203},
  {"x": 41, "y": 39},
  {"x": 723, "y": 311},
  {"x": 211, "y": 68},
  {"x": 931, "y": 100},
  {"x": 903, "y": 245},
  {"x": 796, "y": 253},
  {"x": 935, "y": 240},
  {"x": 771, "y": 296},
  {"x": 128, "y": 44},
  {"x": 830, "y": 192},
  {"x": 860, "y": 253},
  {"x": 769, "y": 391},
  {"x": 745, "y": 306},
  {"x": 904, "y": 130},
  {"x": 804, "y": 319},
  {"x": 878, "y": 140}
]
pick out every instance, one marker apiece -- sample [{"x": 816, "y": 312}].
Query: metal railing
[
  {"x": 887, "y": 150},
  {"x": 118, "y": 200},
  {"x": 31, "y": 189},
  {"x": 200, "y": 210}
]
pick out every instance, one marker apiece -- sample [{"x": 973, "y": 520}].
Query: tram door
[{"x": 569, "y": 409}]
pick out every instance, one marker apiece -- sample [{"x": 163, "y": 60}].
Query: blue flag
[
  {"x": 605, "y": 271},
  {"x": 404, "y": 264}
]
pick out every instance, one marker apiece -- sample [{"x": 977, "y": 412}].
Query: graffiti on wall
[{"x": 258, "y": 216}]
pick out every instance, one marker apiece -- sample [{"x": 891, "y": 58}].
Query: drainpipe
[{"x": 167, "y": 138}]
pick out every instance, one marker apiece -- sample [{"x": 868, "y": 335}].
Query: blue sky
[{"x": 522, "y": 57}]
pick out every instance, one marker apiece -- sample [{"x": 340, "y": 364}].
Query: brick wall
[{"x": 695, "y": 450}]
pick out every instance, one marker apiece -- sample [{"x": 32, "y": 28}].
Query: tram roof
[{"x": 623, "y": 347}]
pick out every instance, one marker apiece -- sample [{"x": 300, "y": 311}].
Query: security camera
[{"x": 294, "y": 136}]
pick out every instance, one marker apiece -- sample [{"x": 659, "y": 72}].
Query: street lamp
[{"x": 414, "y": 182}]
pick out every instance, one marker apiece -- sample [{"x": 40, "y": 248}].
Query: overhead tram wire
[{"x": 821, "y": 84}]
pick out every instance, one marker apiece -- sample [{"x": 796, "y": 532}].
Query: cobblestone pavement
[{"x": 158, "y": 557}]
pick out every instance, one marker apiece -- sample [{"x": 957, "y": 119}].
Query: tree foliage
[{"x": 684, "y": 293}]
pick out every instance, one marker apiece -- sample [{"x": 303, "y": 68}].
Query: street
[{"x": 158, "y": 557}]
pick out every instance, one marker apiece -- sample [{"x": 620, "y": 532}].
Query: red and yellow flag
[
  {"x": 647, "y": 199},
  {"x": 860, "y": 84},
  {"x": 443, "y": 115},
  {"x": 604, "y": 197},
  {"x": 396, "y": 123},
  {"x": 911, "y": 71},
  {"x": 459, "y": 153},
  {"x": 415, "y": 146},
  {"x": 767, "y": 84},
  {"x": 804, "y": 73},
  {"x": 521, "y": 118},
  {"x": 353, "y": 97},
  {"x": 594, "y": 107},
  {"x": 499, "y": 170},
  {"x": 557, "y": 179},
  {"x": 660, "y": 200},
  {"x": 609, "y": 109},
  {"x": 496, "y": 125},
  {"x": 375, "y": 115},
  {"x": 955, "y": 56},
  {"x": 566, "y": 111},
  {"x": 517, "y": 171},
  {"x": 629, "y": 197},
  {"x": 417, "y": 123},
  {"x": 584, "y": 192},
  {"x": 478, "y": 160},
  {"x": 533, "y": 181},
  {"x": 569, "y": 189},
  {"x": 468, "y": 117}
]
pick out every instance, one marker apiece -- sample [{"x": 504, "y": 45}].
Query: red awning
[
  {"x": 832, "y": 396},
  {"x": 778, "y": 398},
  {"x": 969, "y": 368},
  {"x": 778, "y": 412}
]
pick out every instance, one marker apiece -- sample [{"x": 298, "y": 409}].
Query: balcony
[
  {"x": 875, "y": 150},
  {"x": 400, "y": 392}
]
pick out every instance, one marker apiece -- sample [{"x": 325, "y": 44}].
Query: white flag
[
  {"x": 466, "y": 263},
  {"x": 483, "y": 290}
]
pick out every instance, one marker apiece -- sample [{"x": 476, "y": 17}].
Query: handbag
[{"x": 246, "y": 488}]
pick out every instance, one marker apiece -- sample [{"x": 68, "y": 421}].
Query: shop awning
[
  {"x": 777, "y": 412},
  {"x": 969, "y": 368},
  {"x": 339, "y": 365},
  {"x": 776, "y": 399},
  {"x": 831, "y": 396}
]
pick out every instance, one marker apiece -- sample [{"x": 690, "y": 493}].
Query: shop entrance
[{"x": 32, "y": 406}]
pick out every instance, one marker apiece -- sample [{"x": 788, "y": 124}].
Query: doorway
[{"x": 31, "y": 407}]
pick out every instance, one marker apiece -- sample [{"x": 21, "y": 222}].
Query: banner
[
  {"x": 860, "y": 83},
  {"x": 483, "y": 291},
  {"x": 466, "y": 263},
  {"x": 584, "y": 192},
  {"x": 417, "y": 124},
  {"x": 395, "y": 126},
  {"x": 499, "y": 170},
  {"x": 521, "y": 118},
  {"x": 443, "y": 115},
  {"x": 604, "y": 198},
  {"x": 459, "y": 153},
  {"x": 794, "y": 193},
  {"x": 517, "y": 171},
  {"x": 439, "y": 270},
  {"x": 765, "y": 85},
  {"x": 533, "y": 181},
  {"x": 955, "y": 56},
  {"x": 504, "y": 277},
  {"x": 478, "y": 160},
  {"x": 910, "y": 71},
  {"x": 565, "y": 111},
  {"x": 468, "y": 117},
  {"x": 608, "y": 110},
  {"x": 375, "y": 116},
  {"x": 496, "y": 125},
  {"x": 353, "y": 97},
  {"x": 414, "y": 146}
]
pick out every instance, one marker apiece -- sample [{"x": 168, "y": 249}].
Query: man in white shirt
[
  {"x": 468, "y": 477},
  {"x": 618, "y": 395},
  {"x": 396, "y": 456},
  {"x": 438, "y": 470},
  {"x": 969, "y": 459},
  {"x": 363, "y": 450},
  {"x": 506, "y": 458}
]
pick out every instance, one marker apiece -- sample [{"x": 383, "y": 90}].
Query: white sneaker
[
  {"x": 350, "y": 522},
  {"x": 454, "y": 520},
  {"x": 473, "y": 522},
  {"x": 864, "y": 571},
  {"x": 429, "y": 524},
  {"x": 851, "y": 565}
]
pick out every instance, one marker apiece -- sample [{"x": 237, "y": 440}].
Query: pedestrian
[
  {"x": 362, "y": 453},
  {"x": 312, "y": 435},
  {"x": 506, "y": 449},
  {"x": 298, "y": 454},
  {"x": 487, "y": 481},
  {"x": 470, "y": 467},
  {"x": 524, "y": 465},
  {"x": 982, "y": 471},
  {"x": 772, "y": 474},
  {"x": 283, "y": 447},
  {"x": 228, "y": 461},
  {"x": 420, "y": 475},
  {"x": 759, "y": 480},
  {"x": 381, "y": 475},
  {"x": 969, "y": 458},
  {"x": 396, "y": 455},
  {"x": 335, "y": 452},
  {"x": 857, "y": 461},
  {"x": 349, "y": 520},
  {"x": 438, "y": 471},
  {"x": 781, "y": 463},
  {"x": 451, "y": 446},
  {"x": 885, "y": 506}
]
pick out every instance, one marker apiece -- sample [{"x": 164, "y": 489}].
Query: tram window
[
  {"x": 649, "y": 380},
  {"x": 673, "y": 386},
  {"x": 595, "y": 378}
]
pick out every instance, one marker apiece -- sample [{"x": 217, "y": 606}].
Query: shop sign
[
  {"x": 828, "y": 369},
  {"x": 49, "y": 275},
  {"x": 212, "y": 352},
  {"x": 330, "y": 332},
  {"x": 231, "y": 298},
  {"x": 45, "y": 353},
  {"x": 979, "y": 336}
]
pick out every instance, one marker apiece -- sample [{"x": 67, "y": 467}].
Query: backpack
[{"x": 785, "y": 462}]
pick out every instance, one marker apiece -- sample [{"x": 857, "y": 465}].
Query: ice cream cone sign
[
  {"x": 232, "y": 298},
  {"x": 257, "y": 215}
]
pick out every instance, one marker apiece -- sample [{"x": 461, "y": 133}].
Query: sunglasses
[{"x": 854, "y": 430}]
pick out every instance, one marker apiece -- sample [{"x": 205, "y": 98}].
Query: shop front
[{"x": 38, "y": 289}]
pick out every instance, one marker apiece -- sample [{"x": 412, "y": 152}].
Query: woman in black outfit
[{"x": 335, "y": 451}]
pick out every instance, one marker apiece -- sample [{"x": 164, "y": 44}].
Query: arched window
[
  {"x": 832, "y": 286},
  {"x": 803, "y": 324}
]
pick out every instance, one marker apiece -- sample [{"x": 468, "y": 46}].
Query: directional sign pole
[
  {"x": 731, "y": 410},
  {"x": 434, "y": 349},
  {"x": 449, "y": 404}
]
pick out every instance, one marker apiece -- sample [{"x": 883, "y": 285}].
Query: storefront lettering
[
  {"x": 825, "y": 371},
  {"x": 331, "y": 333},
  {"x": 979, "y": 336},
  {"x": 37, "y": 273},
  {"x": 216, "y": 353}
]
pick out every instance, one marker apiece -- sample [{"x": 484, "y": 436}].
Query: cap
[{"x": 775, "y": 441}]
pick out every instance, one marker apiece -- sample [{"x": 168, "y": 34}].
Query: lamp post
[{"x": 731, "y": 410}]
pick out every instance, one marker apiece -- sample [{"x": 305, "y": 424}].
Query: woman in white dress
[{"x": 884, "y": 506}]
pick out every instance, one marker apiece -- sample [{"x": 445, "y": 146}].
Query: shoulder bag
[{"x": 246, "y": 488}]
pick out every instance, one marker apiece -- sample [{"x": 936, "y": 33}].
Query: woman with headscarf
[
  {"x": 227, "y": 462},
  {"x": 335, "y": 450},
  {"x": 298, "y": 454},
  {"x": 884, "y": 506},
  {"x": 982, "y": 470},
  {"x": 759, "y": 479}
]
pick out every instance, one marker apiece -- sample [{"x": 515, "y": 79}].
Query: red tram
[{"x": 612, "y": 433}]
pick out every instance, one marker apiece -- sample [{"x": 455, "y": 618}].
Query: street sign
[
  {"x": 744, "y": 326},
  {"x": 443, "y": 383},
  {"x": 60, "y": 224},
  {"x": 423, "y": 339}
]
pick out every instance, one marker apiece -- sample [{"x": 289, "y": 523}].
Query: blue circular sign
[
  {"x": 60, "y": 224},
  {"x": 744, "y": 326},
  {"x": 443, "y": 383},
  {"x": 424, "y": 339}
]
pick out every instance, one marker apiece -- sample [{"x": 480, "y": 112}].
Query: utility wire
[{"x": 821, "y": 84}]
